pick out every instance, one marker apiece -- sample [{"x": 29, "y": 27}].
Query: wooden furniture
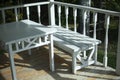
[
  {"x": 83, "y": 49},
  {"x": 25, "y": 35}
]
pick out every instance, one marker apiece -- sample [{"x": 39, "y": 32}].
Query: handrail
[
  {"x": 114, "y": 13},
  {"x": 26, "y": 5}
]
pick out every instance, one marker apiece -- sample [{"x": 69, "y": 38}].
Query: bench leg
[
  {"x": 95, "y": 54},
  {"x": 51, "y": 53},
  {"x": 74, "y": 63}
]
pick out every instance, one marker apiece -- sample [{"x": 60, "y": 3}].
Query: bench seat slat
[
  {"x": 82, "y": 42},
  {"x": 70, "y": 48}
]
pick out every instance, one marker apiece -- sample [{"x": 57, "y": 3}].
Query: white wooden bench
[{"x": 77, "y": 44}]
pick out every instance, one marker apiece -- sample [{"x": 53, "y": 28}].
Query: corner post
[{"x": 51, "y": 13}]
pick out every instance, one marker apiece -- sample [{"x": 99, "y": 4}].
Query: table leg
[
  {"x": 51, "y": 53},
  {"x": 95, "y": 54},
  {"x": 11, "y": 56}
]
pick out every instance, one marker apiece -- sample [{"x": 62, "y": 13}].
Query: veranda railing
[
  {"x": 95, "y": 11},
  {"x": 75, "y": 8}
]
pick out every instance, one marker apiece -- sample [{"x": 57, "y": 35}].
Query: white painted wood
[
  {"x": 39, "y": 13},
  {"x": 51, "y": 13},
  {"x": 66, "y": 46},
  {"x": 16, "y": 45},
  {"x": 51, "y": 0},
  {"x": 40, "y": 40},
  {"x": 66, "y": 13},
  {"x": 16, "y": 15},
  {"x": 84, "y": 21},
  {"x": 11, "y": 56},
  {"x": 118, "y": 52},
  {"x": 75, "y": 19},
  {"x": 69, "y": 45},
  {"x": 94, "y": 35},
  {"x": 26, "y": 32},
  {"x": 91, "y": 54},
  {"x": 59, "y": 14},
  {"x": 21, "y": 6},
  {"x": 23, "y": 44},
  {"x": 28, "y": 13},
  {"x": 95, "y": 23},
  {"x": 84, "y": 26},
  {"x": 107, "y": 23},
  {"x": 51, "y": 53},
  {"x": 88, "y": 8},
  {"x": 84, "y": 54},
  {"x": 28, "y": 28},
  {"x": 26, "y": 5},
  {"x": 75, "y": 43},
  {"x": 74, "y": 63}
]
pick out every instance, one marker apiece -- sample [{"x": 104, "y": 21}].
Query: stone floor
[{"x": 36, "y": 67}]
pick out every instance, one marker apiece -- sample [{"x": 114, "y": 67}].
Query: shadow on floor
[
  {"x": 1, "y": 77},
  {"x": 39, "y": 60},
  {"x": 99, "y": 74},
  {"x": 4, "y": 61}
]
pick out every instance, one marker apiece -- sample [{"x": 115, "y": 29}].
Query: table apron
[{"x": 22, "y": 45}]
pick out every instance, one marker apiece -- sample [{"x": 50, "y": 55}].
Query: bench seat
[{"x": 76, "y": 44}]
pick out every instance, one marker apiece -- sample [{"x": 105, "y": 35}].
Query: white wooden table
[{"x": 25, "y": 35}]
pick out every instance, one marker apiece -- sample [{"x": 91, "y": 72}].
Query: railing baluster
[
  {"x": 39, "y": 13},
  {"x": 107, "y": 22},
  {"x": 45, "y": 38},
  {"x": 95, "y": 23},
  {"x": 40, "y": 40},
  {"x": 28, "y": 13},
  {"x": 94, "y": 34},
  {"x": 59, "y": 14},
  {"x": 84, "y": 21},
  {"x": 23, "y": 44},
  {"x": 75, "y": 15},
  {"x": 16, "y": 45},
  {"x": 16, "y": 15},
  {"x": 84, "y": 27},
  {"x": 3, "y": 15},
  {"x": 66, "y": 13}
]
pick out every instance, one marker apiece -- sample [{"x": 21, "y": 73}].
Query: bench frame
[{"x": 77, "y": 51}]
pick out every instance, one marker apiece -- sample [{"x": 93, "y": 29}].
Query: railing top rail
[
  {"x": 88, "y": 8},
  {"x": 25, "y": 5}
]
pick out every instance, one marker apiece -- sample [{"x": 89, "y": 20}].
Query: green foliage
[
  {"x": 112, "y": 50},
  {"x": 9, "y": 14},
  {"x": 113, "y": 5},
  {"x": 114, "y": 24}
]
